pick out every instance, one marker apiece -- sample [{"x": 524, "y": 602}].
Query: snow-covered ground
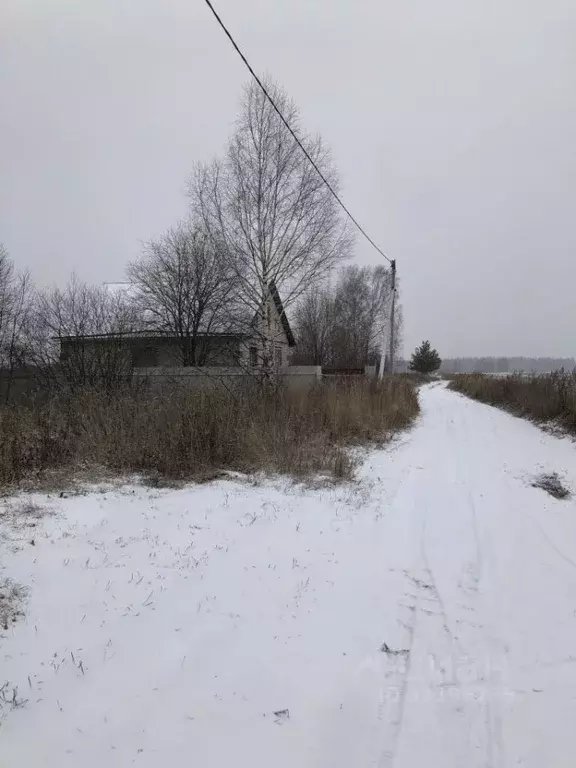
[{"x": 425, "y": 616}]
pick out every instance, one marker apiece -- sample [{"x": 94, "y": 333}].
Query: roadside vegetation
[
  {"x": 544, "y": 398},
  {"x": 196, "y": 434},
  {"x": 71, "y": 402}
]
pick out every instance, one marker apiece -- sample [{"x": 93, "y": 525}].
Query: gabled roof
[
  {"x": 127, "y": 290},
  {"x": 281, "y": 313},
  {"x": 149, "y": 334}
]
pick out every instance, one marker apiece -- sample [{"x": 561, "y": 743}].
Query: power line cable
[{"x": 294, "y": 136}]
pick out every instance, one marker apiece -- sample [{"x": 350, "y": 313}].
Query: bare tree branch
[
  {"x": 279, "y": 222},
  {"x": 15, "y": 296},
  {"x": 347, "y": 325},
  {"x": 76, "y": 337},
  {"x": 185, "y": 287}
]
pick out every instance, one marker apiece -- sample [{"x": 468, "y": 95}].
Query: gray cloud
[{"x": 452, "y": 124}]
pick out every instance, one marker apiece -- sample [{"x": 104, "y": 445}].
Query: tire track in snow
[
  {"x": 491, "y": 715},
  {"x": 422, "y": 579},
  {"x": 551, "y": 544},
  {"x": 480, "y": 717},
  {"x": 395, "y": 683},
  {"x": 479, "y": 564},
  {"x": 388, "y": 757},
  {"x": 433, "y": 584},
  {"x": 478, "y": 522}
]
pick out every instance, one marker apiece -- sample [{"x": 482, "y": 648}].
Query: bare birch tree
[
  {"x": 77, "y": 337},
  {"x": 279, "y": 222},
  {"x": 15, "y": 295},
  {"x": 362, "y": 303},
  {"x": 314, "y": 323},
  {"x": 348, "y": 324},
  {"x": 185, "y": 287}
]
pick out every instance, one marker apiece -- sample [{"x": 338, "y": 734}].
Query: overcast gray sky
[{"x": 452, "y": 122}]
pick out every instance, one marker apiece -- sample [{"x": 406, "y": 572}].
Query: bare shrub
[
  {"x": 417, "y": 378},
  {"x": 179, "y": 433},
  {"x": 75, "y": 338},
  {"x": 15, "y": 300},
  {"x": 549, "y": 397}
]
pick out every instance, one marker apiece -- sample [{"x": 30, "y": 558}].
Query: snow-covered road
[{"x": 425, "y": 616}]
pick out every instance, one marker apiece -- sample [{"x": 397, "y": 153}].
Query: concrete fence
[{"x": 297, "y": 377}]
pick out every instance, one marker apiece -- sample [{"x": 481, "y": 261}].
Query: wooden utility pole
[
  {"x": 390, "y": 341},
  {"x": 392, "y": 316}
]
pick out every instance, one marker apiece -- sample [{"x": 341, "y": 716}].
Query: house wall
[
  {"x": 73, "y": 348},
  {"x": 270, "y": 326},
  {"x": 17, "y": 385},
  {"x": 151, "y": 352},
  {"x": 161, "y": 352}
]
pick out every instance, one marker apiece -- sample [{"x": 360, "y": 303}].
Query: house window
[
  {"x": 278, "y": 357},
  {"x": 253, "y": 356}
]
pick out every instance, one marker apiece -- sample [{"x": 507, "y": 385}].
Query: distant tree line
[{"x": 506, "y": 364}]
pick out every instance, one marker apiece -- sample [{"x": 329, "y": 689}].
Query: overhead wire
[{"x": 294, "y": 136}]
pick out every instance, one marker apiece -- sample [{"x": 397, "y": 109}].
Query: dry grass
[
  {"x": 552, "y": 484},
  {"x": 547, "y": 398},
  {"x": 12, "y": 599},
  {"x": 22, "y": 514},
  {"x": 186, "y": 434},
  {"x": 419, "y": 378}
]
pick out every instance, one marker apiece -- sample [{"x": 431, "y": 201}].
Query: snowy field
[{"x": 423, "y": 616}]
